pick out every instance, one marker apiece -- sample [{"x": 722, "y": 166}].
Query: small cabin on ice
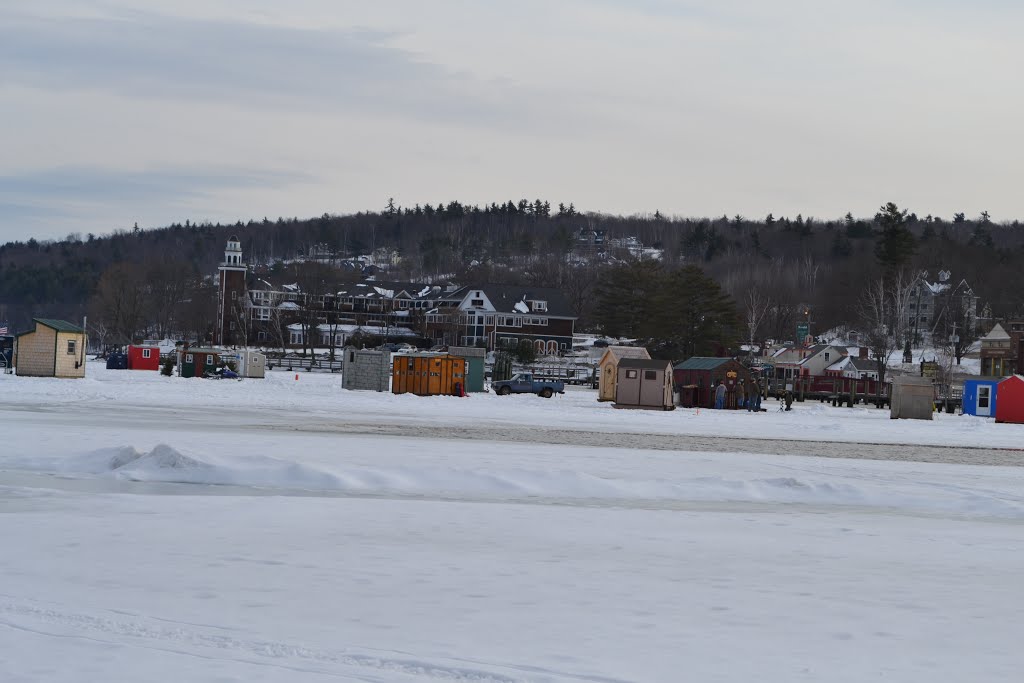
[
  {"x": 1011, "y": 400},
  {"x": 979, "y": 397},
  {"x": 54, "y": 348},
  {"x": 143, "y": 358},
  {"x": 644, "y": 384},
  {"x": 608, "y": 368},
  {"x": 196, "y": 362}
]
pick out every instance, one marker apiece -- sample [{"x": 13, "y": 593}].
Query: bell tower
[{"x": 231, "y": 308}]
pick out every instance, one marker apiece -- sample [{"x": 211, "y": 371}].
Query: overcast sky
[{"x": 125, "y": 111}]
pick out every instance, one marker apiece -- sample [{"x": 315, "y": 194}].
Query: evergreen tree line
[{"x": 805, "y": 264}]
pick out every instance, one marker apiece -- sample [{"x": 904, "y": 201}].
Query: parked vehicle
[{"x": 525, "y": 383}]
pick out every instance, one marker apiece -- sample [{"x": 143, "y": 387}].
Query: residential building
[
  {"x": 929, "y": 301},
  {"x": 801, "y": 361}
]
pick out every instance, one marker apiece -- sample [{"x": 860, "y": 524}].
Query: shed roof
[
  {"x": 644, "y": 364},
  {"x": 626, "y": 352},
  {"x": 59, "y": 325},
  {"x": 701, "y": 363}
]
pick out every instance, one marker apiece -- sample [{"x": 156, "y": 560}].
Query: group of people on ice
[{"x": 748, "y": 395}]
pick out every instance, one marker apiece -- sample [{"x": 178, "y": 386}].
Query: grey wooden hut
[
  {"x": 366, "y": 369},
  {"x": 644, "y": 383},
  {"x": 912, "y": 398},
  {"x": 475, "y": 360}
]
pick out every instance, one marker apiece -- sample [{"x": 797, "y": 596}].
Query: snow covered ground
[{"x": 165, "y": 529}]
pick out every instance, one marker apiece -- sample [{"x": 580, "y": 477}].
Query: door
[{"x": 984, "y": 407}]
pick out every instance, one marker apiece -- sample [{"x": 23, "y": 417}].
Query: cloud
[
  {"x": 247, "y": 64},
  {"x": 57, "y": 200}
]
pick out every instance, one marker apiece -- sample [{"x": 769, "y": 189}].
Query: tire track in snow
[{"x": 188, "y": 640}]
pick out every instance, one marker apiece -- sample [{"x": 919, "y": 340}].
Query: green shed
[
  {"x": 195, "y": 362},
  {"x": 475, "y": 358}
]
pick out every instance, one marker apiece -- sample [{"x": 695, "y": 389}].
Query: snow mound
[{"x": 160, "y": 459}]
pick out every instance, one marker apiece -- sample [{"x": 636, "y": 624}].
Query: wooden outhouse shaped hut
[
  {"x": 143, "y": 358},
  {"x": 1011, "y": 400},
  {"x": 912, "y": 398},
  {"x": 54, "y": 348},
  {"x": 196, "y": 362},
  {"x": 475, "y": 360},
  {"x": 367, "y": 369},
  {"x": 608, "y": 368},
  {"x": 644, "y": 384},
  {"x": 252, "y": 364},
  {"x": 428, "y": 374},
  {"x": 979, "y": 397}
]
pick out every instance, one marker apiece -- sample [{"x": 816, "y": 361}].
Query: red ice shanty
[
  {"x": 1010, "y": 406},
  {"x": 143, "y": 358}
]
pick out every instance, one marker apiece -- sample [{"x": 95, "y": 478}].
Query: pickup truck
[{"x": 524, "y": 383}]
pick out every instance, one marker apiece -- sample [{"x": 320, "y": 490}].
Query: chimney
[{"x": 862, "y": 353}]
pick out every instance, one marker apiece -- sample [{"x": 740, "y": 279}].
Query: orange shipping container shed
[{"x": 428, "y": 375}]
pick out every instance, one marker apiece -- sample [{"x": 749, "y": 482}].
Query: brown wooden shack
[
  {"x": 644, "y": 384},
  {"x": 427, "y": 374},
  {"x": 697, "y": 377}
]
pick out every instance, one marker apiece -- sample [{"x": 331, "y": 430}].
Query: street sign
[{"x": 803, "y": 330}]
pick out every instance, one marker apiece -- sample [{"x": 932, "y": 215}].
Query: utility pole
[{"x": 949, "y": 367}]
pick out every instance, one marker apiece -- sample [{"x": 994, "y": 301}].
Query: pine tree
[{"x": 896, "y": 244}]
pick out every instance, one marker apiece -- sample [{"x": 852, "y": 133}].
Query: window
[
  {"x": 71, "y": 347},
  {"x": 826, "y": 356},
  {"x": 234, "y": 295},
  {"x": 188, "y": 357},
  {"x": 539, "y": 305},
  {"x": 209, "y": 359},
  {"x": 232, "y": 325},
  {"x": 650, "y": 374},
  {"x": 479, "y": 303},
  {"x": 146, "y": 353},
  {"x": 631, "y": 374},
  {"x": 983, "y": 396}
]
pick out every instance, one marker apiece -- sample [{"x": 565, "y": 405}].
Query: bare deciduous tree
[{"x": 882, "y": 308}]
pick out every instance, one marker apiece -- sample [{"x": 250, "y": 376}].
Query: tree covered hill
[{"x": 804, "y": 263}]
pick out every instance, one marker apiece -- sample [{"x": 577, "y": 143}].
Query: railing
[{"x": 291, "y": 362}]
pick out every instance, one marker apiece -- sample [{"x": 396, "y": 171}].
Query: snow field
[{"x": 162, "y": 529}]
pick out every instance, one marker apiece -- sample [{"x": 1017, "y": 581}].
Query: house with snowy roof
[
  {"x": 504, "y": 315},
  {"x": 854, "y": 367},
  {"x": 804, "y": 361},
  {"x": 930, "y": 301}
]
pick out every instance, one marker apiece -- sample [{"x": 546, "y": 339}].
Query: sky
[{"x": 124, "y": 112}]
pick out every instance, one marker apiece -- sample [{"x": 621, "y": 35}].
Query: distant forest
[{"x": 803, "y": 264}]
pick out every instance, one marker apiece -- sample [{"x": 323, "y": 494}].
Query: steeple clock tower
[{"x": 231, "y": 309}]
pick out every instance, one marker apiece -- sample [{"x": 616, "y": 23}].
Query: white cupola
[{"x": 233, "y": 252}]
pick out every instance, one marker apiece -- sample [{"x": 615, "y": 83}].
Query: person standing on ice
[
  {"x": 720, "y": 396},
  {"x": 789, "y": 399}
]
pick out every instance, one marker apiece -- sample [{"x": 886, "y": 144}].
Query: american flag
[{"x": 3, "y": 328}]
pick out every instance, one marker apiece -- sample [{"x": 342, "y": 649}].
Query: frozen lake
[{"x": 163, "y": 529}]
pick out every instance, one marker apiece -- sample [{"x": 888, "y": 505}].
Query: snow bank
[{"x": 835, "y": 487}]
